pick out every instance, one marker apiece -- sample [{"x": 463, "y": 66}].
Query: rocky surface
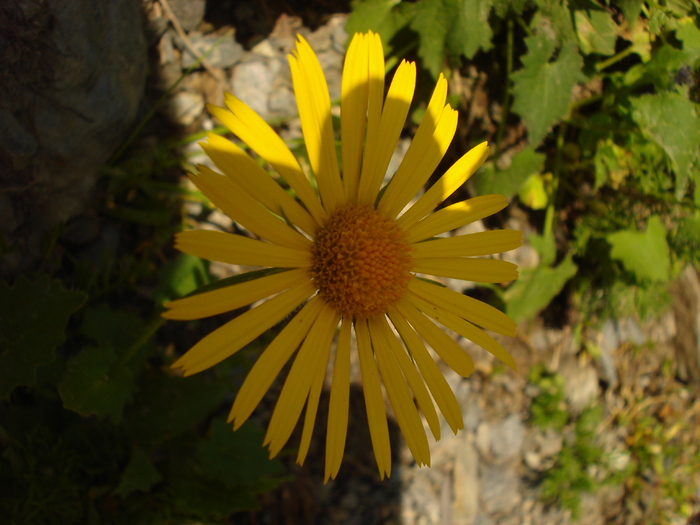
[{"x": 72, "y": 78}]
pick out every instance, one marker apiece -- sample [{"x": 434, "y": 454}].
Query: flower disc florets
[{"x": 361, "y": 262}]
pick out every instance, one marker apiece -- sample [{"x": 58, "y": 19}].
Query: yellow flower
[{"x": 350, "y": 257}]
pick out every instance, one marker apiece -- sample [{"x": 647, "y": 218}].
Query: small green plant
[
  {"x": 571, "y": 476},
  {"x": 548, "y": 408}
]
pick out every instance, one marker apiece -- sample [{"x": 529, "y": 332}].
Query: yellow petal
[
  {"x": 379, "y": 148},
  {"x": 422, "y": 157},
  {"x": 457, "y": 175},
  {"x": 232, "y": 297},
  {"x": 237, "y": 249},
  {"x": 314, "y": 106},
  {"x": 375, "y": 97},
  {"x": 463, "y": 328},
  {"x": 464, "y": 306},
  {"x": 472, "y": 244},
  {"x": 454, "y": 216},
  {"x": 314, "y": 351},
  {"x": 339, "y": 405},
  {"x": 442, "y": 393},
  {"x": 270, "y": 363},
  {"x": 374, "y": 400},
  {"x": 235, "y": 202},
  {"x": 353, "y": 111},
  {"x": 400, "y": 397},
  {"x": 411, "y": 374},
  {"x": 261, "y": 138},
  {"x": 239, "y": 166},
  {"x": 475, "y": 270},
  {"x": 448, "y": 350},
  {"x": 235, "y": 334}
]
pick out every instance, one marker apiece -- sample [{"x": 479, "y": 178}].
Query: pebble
[
  {"x": 500, "y": 489},
  {"x": 221, "y": 51},
  {"x": 507, "y": 438},
  {"x": 184, "y": 107},
  {"x": 580, "y": 383},
  {"x": 465, "y": 484}
]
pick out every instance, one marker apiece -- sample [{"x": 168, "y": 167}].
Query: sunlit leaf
[
  {"x": 672, "y": 122},
  {"x": 645, "y": 254},
  {"x": 535, "y": 288},
  {"x": 542, "y": 89},
  {"x": 596, "y": 32}
]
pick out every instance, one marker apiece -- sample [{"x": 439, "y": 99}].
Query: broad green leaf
[
  {"x": 672, "y": 122},
  {"x": 33, "y": 316},
  {"x": 236, "y": 458},
  {"x": 181, "y": 276},
  {"x": 554, "y": 15},
  {"x": 433, "y": 21},
  {"x": 369, "y": 15},
  {"x": 98, "y": 381},
  {"x": 472, "y": 30},
  {"x": 389, "y": 18},
  {"x": 535, "y": 288},
  {"x": 508, "y": 182},
  {"x": 645, "y": 254},
  {"x": 94, "y": 384},
  {"x": 596, "y": 32},
  {"x": 165, "y": 407},
  {"x": 546, "y": 246},
  {"x": 139, "y": 474},
  {"x": 631, "y": 9},
  {"x": 689, "y": 34},
  {"x": 542, "y": 89}
]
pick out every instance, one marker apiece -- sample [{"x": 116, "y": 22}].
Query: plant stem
[
  {"x": 600, "y": 66},
  {"x": 506, "y": 95},
  {"x": 549, "y": 214}
]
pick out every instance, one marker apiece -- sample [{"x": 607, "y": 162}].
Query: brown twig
[{"x": 188, "y": 43}]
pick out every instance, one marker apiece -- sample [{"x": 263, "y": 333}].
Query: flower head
[{"x": 351, "y": 258}]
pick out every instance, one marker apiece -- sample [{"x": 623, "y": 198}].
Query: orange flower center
[{"x": 361, "y": 262}]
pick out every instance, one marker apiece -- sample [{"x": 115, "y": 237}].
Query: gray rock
[
  {"x": 189, "y": 13},
  {"x": 184, "y": 107},
  {"x": 223, "y": 50},
  {"x": 580, "y": 383},
  {"x": 76, "y": 77},
  {"x": 500, "y": 489},
  {"x": 507, "y": 438},
  {"x": 465, "y": 485}
]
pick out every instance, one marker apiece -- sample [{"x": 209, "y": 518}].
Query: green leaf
[
  {"x": 433, "y": 21},
  {"x": 533, "y": 193},
  {"x": 542, "y": 89},
  {"x": 631, "y": 9},
  {"x": 645, "y": 254},
  {"x": 555, "y": 15},
  {"x": 181, "y": 276},
  {"x": 508, "y": 182},
  {"x": 535, "y": 288},
  {"x": 139, "y": 474},
  {"x": 689, "y": 34},
  {"x": 471, "y": 31},
  {"x": 94, "y": 385},
  {"x": 671, "y": 121},
  {"x": 98, "y": 381},
  {"x": 165, "y": 407},
  {"x": 33, "y": 317},
  {"x": 236, "y": 458},
  {"x": 369, "y": 15},
  {"x": 596, "y": 32}
]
